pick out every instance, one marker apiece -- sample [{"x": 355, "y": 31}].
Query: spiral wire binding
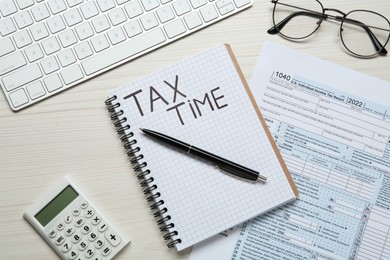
[{"x": 143, "y": 175}]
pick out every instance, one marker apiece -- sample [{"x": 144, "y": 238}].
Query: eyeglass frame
[{"x": 276, "y": 29}]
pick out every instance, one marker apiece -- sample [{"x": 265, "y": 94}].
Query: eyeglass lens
[
  {"x": 362, "y": 32},
  {"x": 297, "y": 22}
]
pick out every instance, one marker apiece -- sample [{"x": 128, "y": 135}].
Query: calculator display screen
[{"x": 56, "y": 205}]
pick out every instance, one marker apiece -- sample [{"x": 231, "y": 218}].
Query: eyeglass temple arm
[{"x": 279, "y": 26}]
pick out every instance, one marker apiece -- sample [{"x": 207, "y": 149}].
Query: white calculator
[{"x": 73, "y": 226}]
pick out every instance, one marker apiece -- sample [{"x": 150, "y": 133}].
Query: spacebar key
[{"x": 123, "y": 51}]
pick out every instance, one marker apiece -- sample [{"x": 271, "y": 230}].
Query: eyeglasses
[{"x": 363, "y": 33}]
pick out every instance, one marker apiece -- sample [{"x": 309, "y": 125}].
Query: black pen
[{"x": 223, "y": 164}]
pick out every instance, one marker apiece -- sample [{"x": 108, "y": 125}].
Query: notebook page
[{"x": 202, "y": 101}]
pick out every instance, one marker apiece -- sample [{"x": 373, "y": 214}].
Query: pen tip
[
  {"x": 262, "y": 178},
  {"x": 141, "y": 129}
]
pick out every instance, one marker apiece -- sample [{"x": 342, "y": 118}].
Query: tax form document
[{"x": 332, "y": 126}]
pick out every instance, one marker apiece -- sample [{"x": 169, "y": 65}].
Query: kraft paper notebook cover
[{"x": 205, "y": 101}]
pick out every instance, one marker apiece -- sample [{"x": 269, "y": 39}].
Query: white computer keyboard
[{"x": 47, "y": 46}]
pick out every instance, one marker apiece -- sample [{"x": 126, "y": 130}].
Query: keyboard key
[
  {"x": 67, "y": 38},
  {"x": 12, "y": 62},
  {"x": 100, "y": 43},
  {"x": 72, "y": 3},
  {"x": 89, "y": 9},
  {"x": 116, "y": 35},
  {"x": 6, "y": 46},
  {"x": 150, "y": 4},
  {"x": 39, "y": 31},
  {"x": 24, "y": 3},
  {"x": 241, "y": 3},
  {"x": 123, "y": 51},
  {"x": 72, "y": 74},
  {"x": 35, "y": 90},
  {"x": 7, "y": 26},
  {"x": 84, "y": 31},
  {"x": 83, "y": 50},
  {"x": 34, "y": 52},
  {"x": 133, "y": 9},
  {"x": 50, "y": 45},
  {"x": 132, "y": 28},
  {"x": 100, "y": 23},
  {"x": 23, "y": 19},
  {"x": 7, "y": 8},
  {"x": 181, "y": 7},
  {"x": 165, "y": 13},
  {"x": 105, "y": 5},
  {"x": 52, "y": 83},
  {"x": 56, "y": 6},
  {"x": 18, "y": 98},
  {"x": 174, "y": 28},
  {"x": 117, "y": 16},
  {"x": 119, "y": 2},
  {"x": 225, "y": 6},
  {"x": 198, "y": 3},
  {"x": 66, "y": 57},
  {"x": 40, "y": 12},
  {"x": 208, "y": 13},
  {"x": 192, "y": 20},
  {"x": 149, "y": 21},
  {"x": 22, "y": 38},
  {"x": 55, "y": 24},
  {"x": 22, "y": 76},
  {"x": 49, "y": 65},
  {"x": 72, "y": 17}
]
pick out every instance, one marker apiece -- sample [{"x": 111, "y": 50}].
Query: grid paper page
[{"x": 202, "y": 101}]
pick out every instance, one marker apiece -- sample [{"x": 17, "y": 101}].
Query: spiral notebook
[{"x": 205, "y": 101}]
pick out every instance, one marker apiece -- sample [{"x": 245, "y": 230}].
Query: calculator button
[
  {"x": 99, "y": 243},
  {"x": 112, "y": 237},
  {"x": 96, "y": 219},
  {"x": 106, "y": 250},
  {"x": 92, "y": 236},
  {"x": 76, "y": 238},
  {"x": 66, "y": 247},
  {"x": 83, "y": 245},
  {"x": 68, "y": 219},
  {"x": 102, "y": 226},
  {"x": 89, "y": 212},
  {"x": 69, "y": 230},
  {"x": 79, "y": 221},
  {"x": 60, "y": 240},
  {"x": 76, "y": 212},
  {"x": 84, "y": 205},
  {"x": 52, "y": 233},
  {"x": 86, "y": 228},
  {"x": 90, "y": 252},
  {"x": 73, "y": 254},
  {"x": 97, "y": 257},
  {"x": 60, "y": 226}
]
